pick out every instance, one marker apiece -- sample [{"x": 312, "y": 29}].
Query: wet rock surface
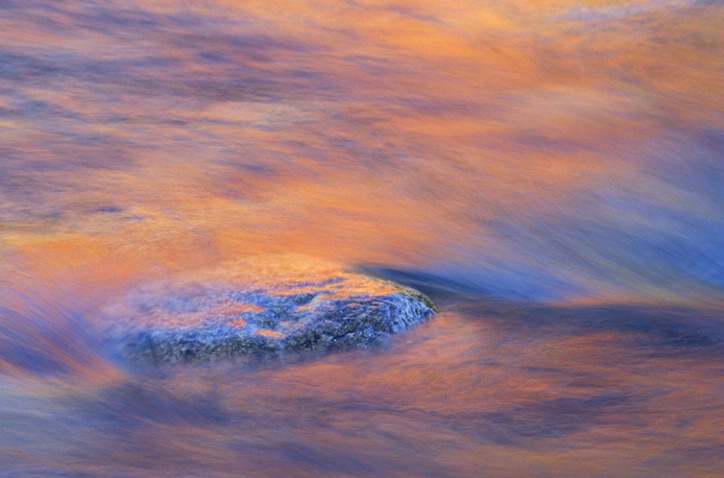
[{"x": 258, "y": 309}]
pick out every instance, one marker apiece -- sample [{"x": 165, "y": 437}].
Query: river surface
[{"x": 550, "y": 172}]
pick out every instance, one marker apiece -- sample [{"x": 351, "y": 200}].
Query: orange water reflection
[
  {"x": 382, "y": 132},
  {"x": 548, "y": 152}
]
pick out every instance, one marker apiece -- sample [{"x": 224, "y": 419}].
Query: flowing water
[{"x": 550, "y": 172}]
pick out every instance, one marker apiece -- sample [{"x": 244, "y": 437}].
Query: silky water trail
[{"x": 550, "y": 174}]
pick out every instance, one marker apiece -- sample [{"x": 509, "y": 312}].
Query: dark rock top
[{"x": 259, "y": 309}]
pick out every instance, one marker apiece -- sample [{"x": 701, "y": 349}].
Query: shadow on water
[{"x": 657, "y": 330}]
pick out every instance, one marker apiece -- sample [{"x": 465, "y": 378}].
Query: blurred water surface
[{"x": 550, "y": 172}]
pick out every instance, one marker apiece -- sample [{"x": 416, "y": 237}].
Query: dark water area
[{"x": 550, "y": 173}]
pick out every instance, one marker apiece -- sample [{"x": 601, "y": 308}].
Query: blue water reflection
[{"x": 550, "y": 173}]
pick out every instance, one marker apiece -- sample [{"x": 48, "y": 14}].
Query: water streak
[{"x": 550, "y": 172}]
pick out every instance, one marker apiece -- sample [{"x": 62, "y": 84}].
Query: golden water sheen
[{"x": 550, "y": 172}]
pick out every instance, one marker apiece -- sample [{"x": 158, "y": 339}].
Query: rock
[{"x": 261, "y": 308}]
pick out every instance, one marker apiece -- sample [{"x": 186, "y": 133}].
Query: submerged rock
[{"x": 259, "y": 309}]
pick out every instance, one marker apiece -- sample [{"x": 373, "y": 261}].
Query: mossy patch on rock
[{"x": 261, "y": 308}]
